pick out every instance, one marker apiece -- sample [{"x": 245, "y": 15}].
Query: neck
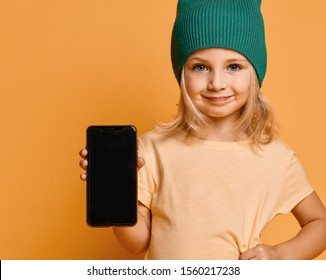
[{"x": 222, "y": 129}]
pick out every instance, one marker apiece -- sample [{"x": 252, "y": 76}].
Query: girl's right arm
[{"x": 135, "y": 239}]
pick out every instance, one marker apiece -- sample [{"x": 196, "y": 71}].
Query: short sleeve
[
  {"x": 295, "y": 187},
  {"x": 146, "y": 185}
]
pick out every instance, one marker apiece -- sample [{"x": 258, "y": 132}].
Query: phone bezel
[{"x": 133, "y": 221}]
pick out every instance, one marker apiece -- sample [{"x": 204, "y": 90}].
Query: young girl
[{"x": 211, "y": 180}]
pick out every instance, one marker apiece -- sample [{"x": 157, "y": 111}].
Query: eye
[
  {"x": 234, "y": 67},
  {"x": 200, "y": 68}
]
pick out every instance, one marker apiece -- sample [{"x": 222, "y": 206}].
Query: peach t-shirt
[{"x": 211, "y": 200}]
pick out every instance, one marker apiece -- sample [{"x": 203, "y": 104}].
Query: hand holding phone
[{"x": 111, "y": 175}]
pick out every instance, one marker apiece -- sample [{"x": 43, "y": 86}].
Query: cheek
[
  {"x": 191, "y": 88},
  {"x": 194, "y": 84},
  {"x": 242, "y": 86}
]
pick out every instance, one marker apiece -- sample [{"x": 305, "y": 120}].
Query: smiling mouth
[{"x": 219, "y": 100}]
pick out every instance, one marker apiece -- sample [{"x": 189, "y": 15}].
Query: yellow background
[{"x": 65, "y": 65}]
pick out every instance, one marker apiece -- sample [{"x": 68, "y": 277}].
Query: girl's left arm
[{"x": 307, "y": 244}]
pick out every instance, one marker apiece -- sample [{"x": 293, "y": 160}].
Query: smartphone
[{"x": 112, "y": 175}]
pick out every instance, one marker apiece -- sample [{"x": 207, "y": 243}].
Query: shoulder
[
  {"x": 148, "y": 136},
  {"x": 160, "y": 144},
  {"x": 279, "y": 144},
  {"x": 277, "y": 150},
  {"x": 157, "y": 138}
]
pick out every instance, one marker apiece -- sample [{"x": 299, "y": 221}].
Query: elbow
[
  {"x": 136, "y": 248},
  {"x": 320, "y": 235},
  {"x": 323, "y": 228},
  {"x": 135, "y": 243}
]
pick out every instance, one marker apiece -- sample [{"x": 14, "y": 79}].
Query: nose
[{"x": 217, "y": 81}]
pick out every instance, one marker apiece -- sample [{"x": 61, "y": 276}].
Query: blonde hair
[{"x": 257, "y": 120}]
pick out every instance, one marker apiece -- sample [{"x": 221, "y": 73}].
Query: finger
[
  {"x": 83, "y": 153},
  {"x": 247, "y": 258},
  {"x": 250, "y": 254},
  {"x": 140, "y": 162},
  {"x": 83, "y": 177},
  {"x": 83, "y": 164}
]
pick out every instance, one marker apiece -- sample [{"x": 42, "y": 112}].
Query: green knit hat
[{"x": 232, "y": 24}]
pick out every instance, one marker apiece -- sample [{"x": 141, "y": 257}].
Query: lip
[{"x": 219, "y": 100}]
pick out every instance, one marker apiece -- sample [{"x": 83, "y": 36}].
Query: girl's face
[{"x": 218, "y": 82}]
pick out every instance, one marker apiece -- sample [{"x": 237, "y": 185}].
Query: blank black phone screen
[{"x": 111, "y": 175}]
